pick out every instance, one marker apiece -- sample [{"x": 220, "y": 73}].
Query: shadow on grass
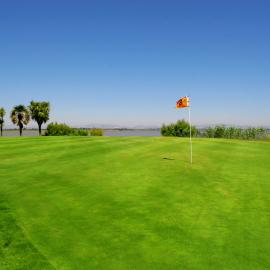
[{"x": 168, "y": 158}]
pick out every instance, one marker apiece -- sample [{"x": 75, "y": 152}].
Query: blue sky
[{"x": 126, "y": 62}]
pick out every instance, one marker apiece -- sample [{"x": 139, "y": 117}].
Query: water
[
  {"x": 107, "y": 132},
  {"x": 13, "y": 133},
  {"x": 132, "y": 132}
]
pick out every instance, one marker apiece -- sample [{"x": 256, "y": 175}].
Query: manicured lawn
[{"x": 134, "y": 203}]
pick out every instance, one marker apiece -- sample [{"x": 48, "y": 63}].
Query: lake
[{"x": 107, "y": 132}]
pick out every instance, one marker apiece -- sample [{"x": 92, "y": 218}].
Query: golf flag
[{"x": 182, "y": 102}]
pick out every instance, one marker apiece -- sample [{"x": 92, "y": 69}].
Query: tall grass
[{"x": 232, "y": 132}]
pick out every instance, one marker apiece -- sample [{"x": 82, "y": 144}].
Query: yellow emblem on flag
[{"x": 182, "y": 102}]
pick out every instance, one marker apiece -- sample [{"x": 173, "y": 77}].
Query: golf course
[{"x": 119, "y": 203}]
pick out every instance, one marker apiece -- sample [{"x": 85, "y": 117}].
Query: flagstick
[{"x": 190, "y": 141}]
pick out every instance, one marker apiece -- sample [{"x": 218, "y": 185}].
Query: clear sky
[{"x": 126, "y": 62}]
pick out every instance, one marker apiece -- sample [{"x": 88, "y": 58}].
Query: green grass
[{"x": 134, "y": 203}]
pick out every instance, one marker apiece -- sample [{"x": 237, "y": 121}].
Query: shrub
[
  {"x": 80, "y": 132},
  {"x": 219, "y": 132},
  {"x": 55, "y": 129},
  {"x": 209, "y": 132},
  {"x": 267, "y": 137},
  {"x": 179, "y": 129},
  {"x": 230, "y": 132},
  {"x": 96, "y": 132}
]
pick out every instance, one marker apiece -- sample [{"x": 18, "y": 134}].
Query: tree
[
  {"x": 39, "y": 111},
  {"x": 20, "y": 116},
  {"x": 2, "y": 114}
]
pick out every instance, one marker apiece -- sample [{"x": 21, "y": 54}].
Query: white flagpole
[{"x": 190, "y": 140}]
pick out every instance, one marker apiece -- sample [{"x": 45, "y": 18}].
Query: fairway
[{"x": 75, "y": 203}]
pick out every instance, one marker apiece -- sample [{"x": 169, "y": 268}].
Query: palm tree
[
  {"x": 2, "y": 114},
  {"x": 20, "y": 116},
  {"x": 39, "y": 112}
]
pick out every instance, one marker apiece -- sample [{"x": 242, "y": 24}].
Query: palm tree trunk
[
  {"x": 21, "y": 127},
  {"x": 39, "y": 129},
  {"x": 1, "y": 130}
]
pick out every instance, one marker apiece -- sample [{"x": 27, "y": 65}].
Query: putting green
[{"x": 134, "y": 203}]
